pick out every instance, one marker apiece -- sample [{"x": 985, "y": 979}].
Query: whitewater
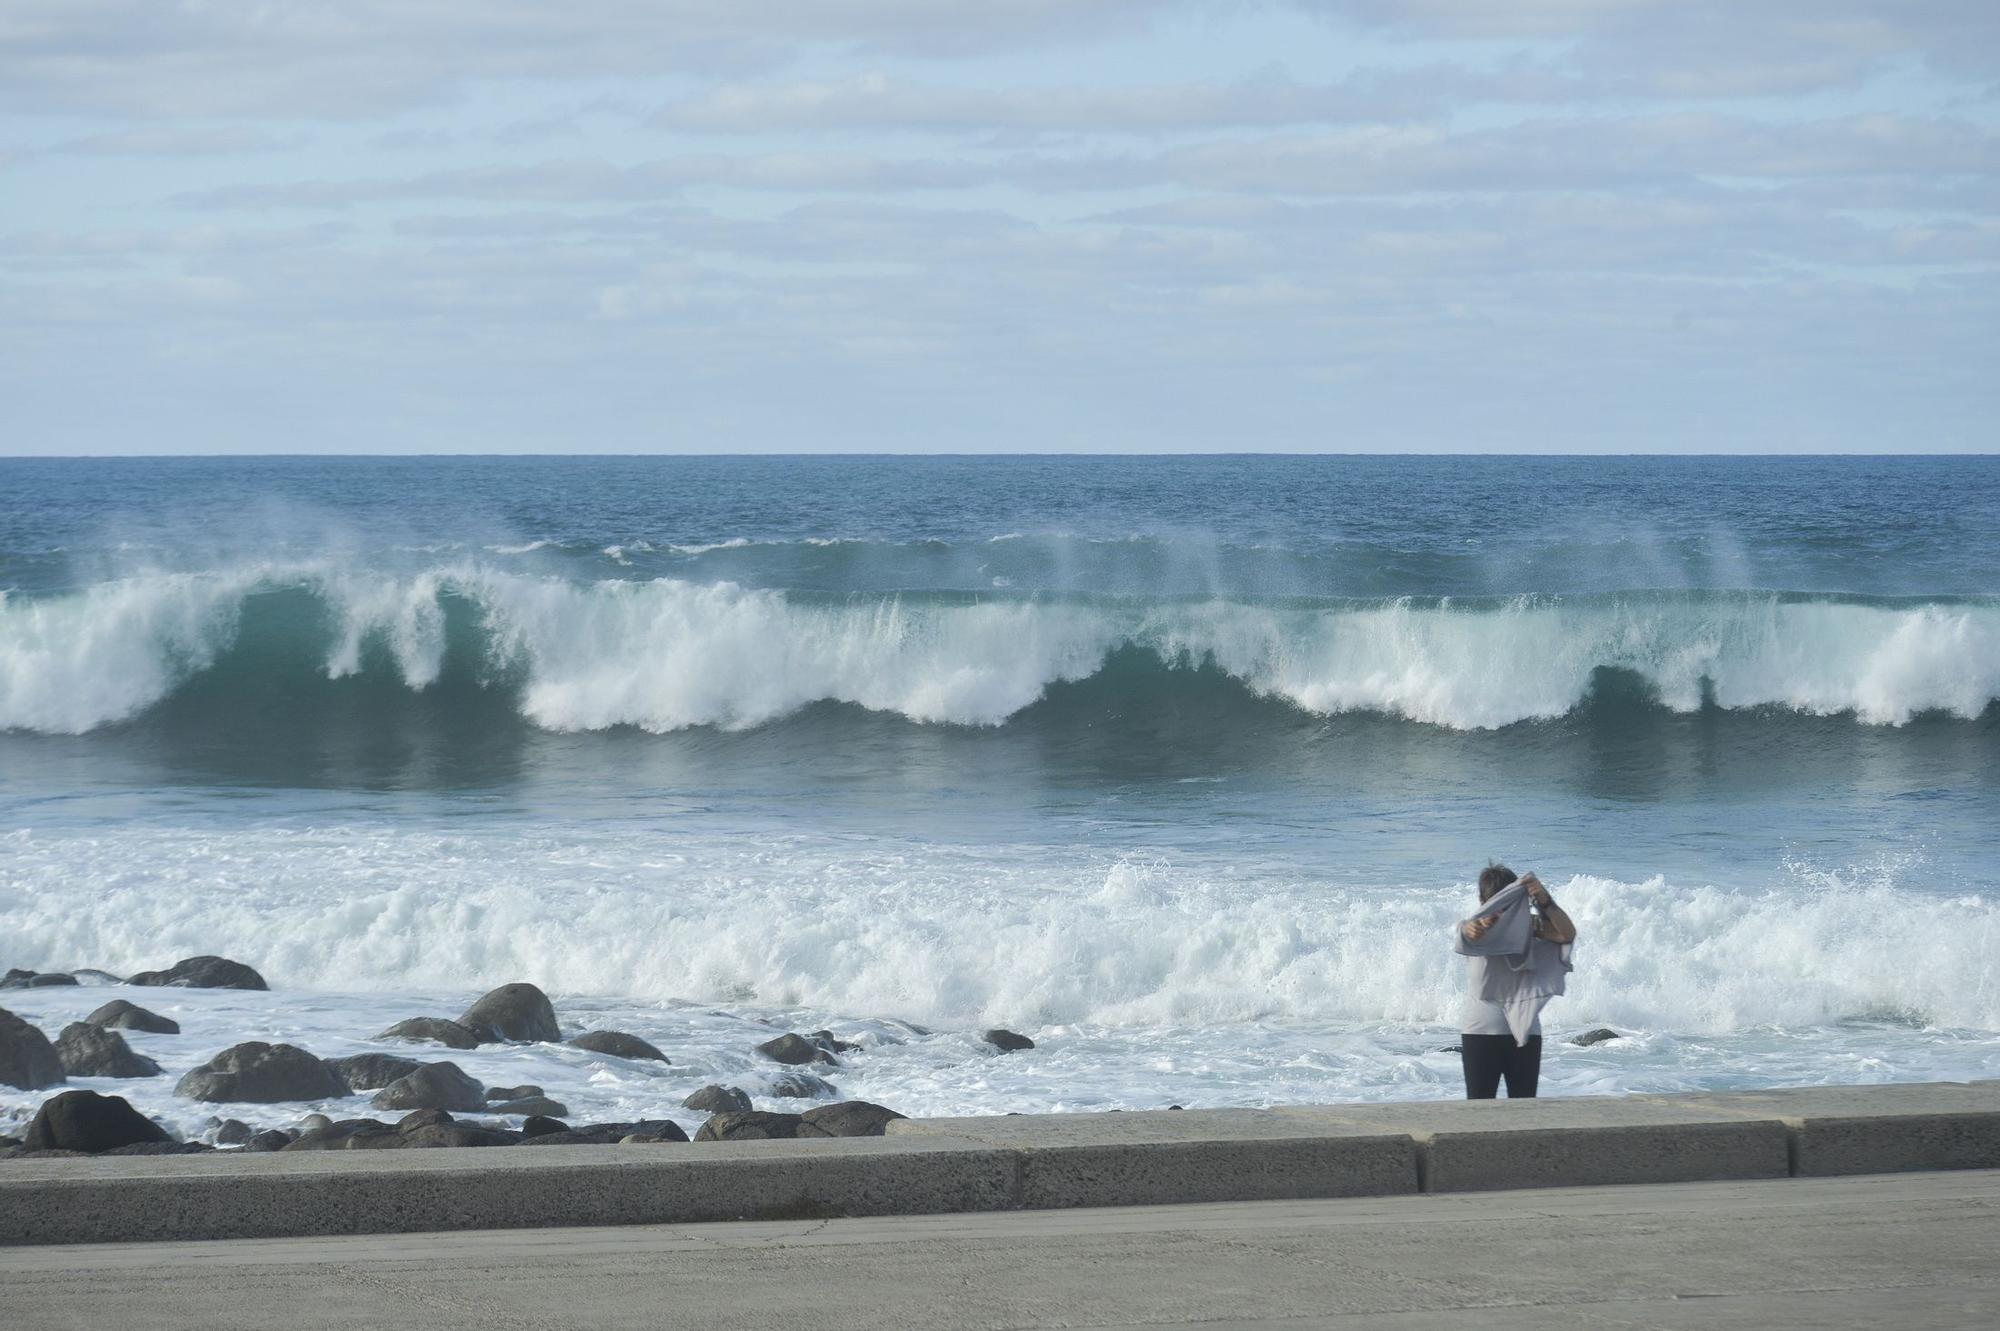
[{"x": 1183, "y": 767}]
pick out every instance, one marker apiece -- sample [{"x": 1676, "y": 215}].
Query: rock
[
  {"x": 457, "y": 1134},
  {"x": 369, "y": 1072},
  {"x": 718, "y": 1100},
  {"x": 232, "y": 1132},
  {"x": 802, "y": 1086},
  {"x": 441, "y": 1030},
  {"x": 1598, "y": 1036},
  {"x": 372, "y": 1139},
  {"x": 1006, "y": 1041},
  {"x": 432, "y": 1086},
  {"x": 203, "y": 973},
  {"x": 422, "y": 1118},
  {"x": 538, "y": 1125},
  {"x": 849, "y": 1118},
  {"x": 271, "y": 1139},
  {"x": 334, "y": 1136},
  {"x": 161, "y": 1148},
  {"x": 754, "y": 1125},
  {"x": 665, "y": 1132},
  {"x": 512, "y": 1093},
  {"x": 596, "y": 1134},
  {"x": 121, "y": 1015},
  {"x": 619, "y": 1045},
  {"x": 87, "y": 1121},
  {"x": 97, "y": 976},
  {"x": 28, "y": 1061},
  {"x": 832, "y": 1043},
  {"x": 312, "y": 1123},
  {"x": 513, "y": 1012},
  {"x": 92, "y": 1051},
  {"x": 19, "y": 979},
  {"x": 796, "y": 1050},
  {"x": 260, "y": 1073},
  {"x": 536, "y": 1105}
]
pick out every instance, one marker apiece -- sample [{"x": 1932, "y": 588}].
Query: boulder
[
  {"x": 232, "y": 1132},
  {"x": 1598, "y": 1036},
  {"x": 457, "y": 1134},
  {"x": 523, "y": 1092},
  {"x": 441, "y": 1030},
  {"x": 849, "y": 1118},
  {"x": 718, "y": 1100},
  {"x": 92, "y": 1051},
  {"x": 538, "y": 1125},
  {"x": 595, "y": 1134},
  {"x": 754, "y": 1125},
  {"x": 161, "y": 1148},
  {"x": 422, "y": 1118},
  {"x": 513, "y": 1012},
  {"x": 311, "y": 1123},
  {"x": 794, "y": 1049},
  {"x": 369, "y": 1072},
  {"x": 1006, "y": 1041},
  {"x": 832, "y": 1043},
  {"x": 121, "y": 1015},
  {"x": 19, "y": 979},
  {"x": 28, "y": 1061},
  {"x": 802, "y": 1086},
  {"x": 432, "y": 1086},
  {"x": 619, "y": 1045},
  {"x": 203, "y": 973},
  {"x": 94, "y": 976},
  {"x": 87, "y": 1121},
  {"x": 533, "y": 1105},
  {"x": 270, "y": 1139},
  {"x": 334, "y": 1136},
  {"x": 665, "y": 1132},
  {"x": 260, "y": 1073}
]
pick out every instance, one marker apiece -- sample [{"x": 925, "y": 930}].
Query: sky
[{"x": 632, "y": 226}]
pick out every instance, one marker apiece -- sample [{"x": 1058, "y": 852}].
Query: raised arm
[{"x": 1554, "y": 923}]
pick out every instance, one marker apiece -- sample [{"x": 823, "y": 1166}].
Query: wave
[{"x": 666, "y": 654}]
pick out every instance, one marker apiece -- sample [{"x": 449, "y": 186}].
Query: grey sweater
[{"x": 1509, "y": 965}]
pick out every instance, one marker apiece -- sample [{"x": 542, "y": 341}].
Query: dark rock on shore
[
  {"x": 87, "y": 1121},
  {"x": 1006, "y": 1041},
  {"x": 802, "y": 1086},
  {"x": 28, "y": 1061},
  {"x": 270, "y": 1139},
  {"x": 539, "y": 1125},
  {"x": 1598, "y": 1036},
  {"x": 160, "y": 1148},
  {"x": 121, "y": 1015},
  {"x": 232, "y": 1132},
  {"x": 665, "y": 1132},
  {"x": 619, "y": 1045},
  {"x": 794, "y": 1049},
  {"x": 20, "y": 979},
  {"x": 369, "y": 1072},
  {"x": 96, "y": 976},
  {"x": 92, "y": 1051},
  {"x": 832, "y": 1043},
  {"x": 203, "y": 973},
  {"x": 334, "y": 1136},
  {"x": 849, "y": 1118},
  {"x": 535, "y": 1106},
  {"x": 752, "y": 1126},
  {"x": 522, "y": 1092},
  {"x": 457, "y": 1134},
  {"x": 718, "y": 1100},
  {"x": 597, "y": 1134},
  {"x": 432, "y": 1086},
  {"x": 513, "y": 1012},
  {"x": 441, "y": 1030},
  {"x": 260, "y": 1073}
]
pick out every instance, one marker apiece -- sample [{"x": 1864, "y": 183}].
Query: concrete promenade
[
  {"x": 1912, "y": 1251},
  {"x": 1032, "y": 1163}
]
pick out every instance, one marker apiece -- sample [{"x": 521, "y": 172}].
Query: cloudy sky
[{"x": 999, "y": 225}]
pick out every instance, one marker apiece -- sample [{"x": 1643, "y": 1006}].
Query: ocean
[{"x": 1182, "y": 766}]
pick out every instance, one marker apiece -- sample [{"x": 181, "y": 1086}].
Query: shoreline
[{"x": 1025, "y": 1162}]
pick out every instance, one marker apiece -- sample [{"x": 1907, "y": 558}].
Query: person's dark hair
[{"x": 1492, "y": 878}]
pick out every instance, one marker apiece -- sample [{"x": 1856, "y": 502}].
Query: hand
[
  {"x": 1536, "y": 892},
  {"x": 1476, "y": 929}
]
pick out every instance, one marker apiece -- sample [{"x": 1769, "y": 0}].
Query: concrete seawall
[{"x": 935, "y": 1166}]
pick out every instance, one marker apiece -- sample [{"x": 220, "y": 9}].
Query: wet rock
[
  {"x": 457, "y": 1134},
  {"x": 20, "y": 979},
  {"x": 802, "y": 1086},
  {"x": 753, "y": 1125},
  {"x": 371, "y": 1072},
  {"x": 312, "y": 1123},
  {"x": 422, "y": 1118},
  {"x": 232, "y": 1132},
  {"x": 260, "y": 1073},
  {"x": 513, "y": 1012},
  {"x": 718, "y": 1100},
  {"x": 832, "y": 1043},
  {"x": 494, "y": 1093},
  {"x": 536, "y": 1105},
  {"x": 1006, "y": 1041},
  {"x": 849, "y": 1118},
  {"x": 596, "y": 1134},
  {"x": 440, "y": 1030},
  {"x": 270, "y": 1139},
  {"x": 796, "y": 1050},
  {"x": 334, "y": 1136},
  {"x": 1598, "y": 1036},
  {"x": 121, "y": 1015},
  {"x": 666, "y": 1132},
  {"x": 203, "y": 973},
  {"x": 28, "y": 1061},
  {"x": 619, "y": 1045},
  {"x": 432, "y": 1086},
  {"x": 87, "y": 1121},
  {"x": 538, "y": 1125},
  {"x": 92, "y": 1051},
  {"x": 91, "y": 975},
  {"x": 161, "y": 1148}
]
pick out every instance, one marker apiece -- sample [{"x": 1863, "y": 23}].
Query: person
[{"x": 1493, "y": 1049}]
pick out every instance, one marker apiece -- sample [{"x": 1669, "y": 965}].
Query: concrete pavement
[{"x": 1909, "y": 1250}]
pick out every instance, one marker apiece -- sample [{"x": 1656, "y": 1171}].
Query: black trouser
[{"x": 1488, "y": 1058}]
